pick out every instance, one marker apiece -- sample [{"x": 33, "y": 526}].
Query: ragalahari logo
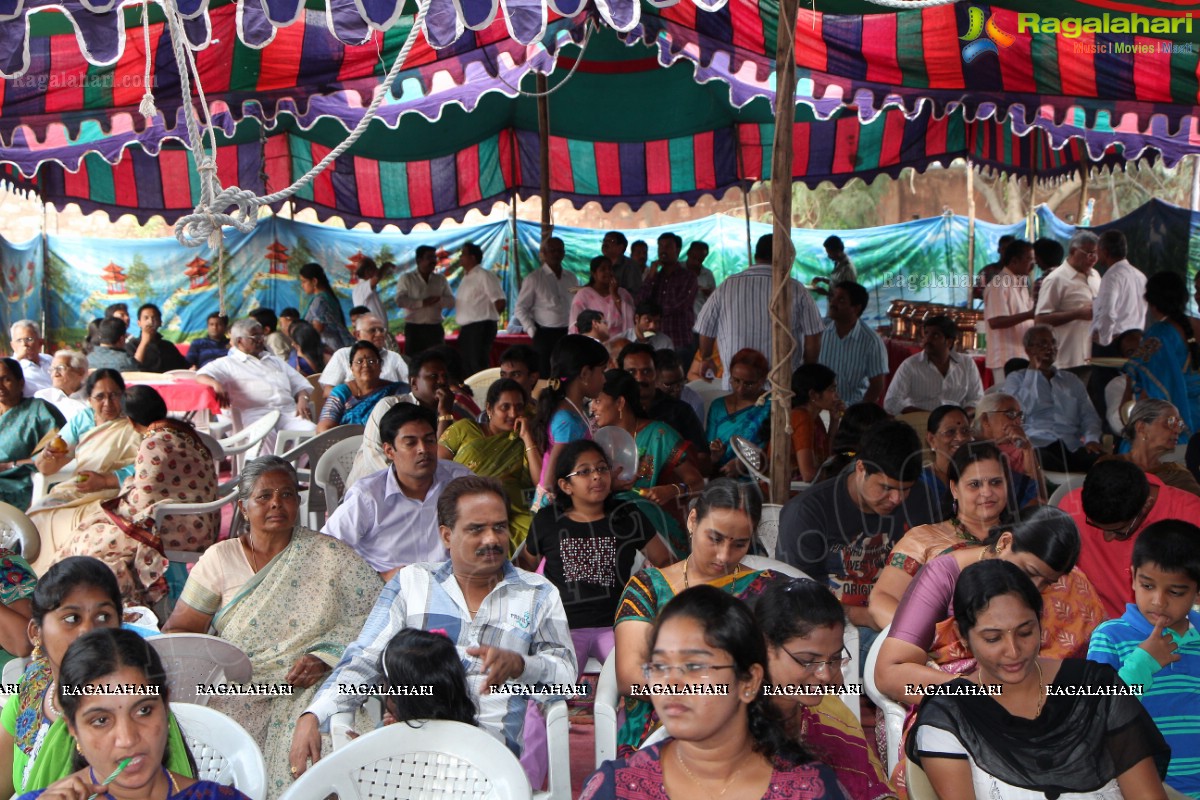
[{"x": 983, "y": 36}]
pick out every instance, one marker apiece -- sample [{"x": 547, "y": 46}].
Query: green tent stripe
[
  {"x": 247, "y": 61},
  {"x": 683, "y": 171},
  {"x": 870, "y": 143},
  {"x": 1184, "y": 84},
  {"x": 100, "y": 179},
  {"x": 1044, "y": 51},
  {"x": 193, "y": 178},
  {"x": 911, "y": 56},
  {"x": 491, "y": 177},
  {"x": 393, "y": 185},
  {"x": 583, "y": 166},
  {"x": 97, "y": 87},
  {"x": 302, "y": 162}
]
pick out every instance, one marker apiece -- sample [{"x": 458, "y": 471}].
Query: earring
[
  {"x": 37, "y": 653},
  {"x": 77, "y": 750},
  {"x": 954, "y": 507}
]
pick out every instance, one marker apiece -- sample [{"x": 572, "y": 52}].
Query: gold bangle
[{"x": 445, "y": 418}]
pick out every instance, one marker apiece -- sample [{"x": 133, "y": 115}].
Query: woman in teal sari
[
  {"x": 664, "y": 475},
  {"x": 76, "y": 595},
  {"x": 26, "y": 426},
  {"x": 352, "y": 402},
  {"x": 324, "y": 311},
  {"x": 739, "y": 413},
  {"x": 1167, "y": 365},
  {"x": 503, "y": 448},
  {"x": 289, "y": 597}
]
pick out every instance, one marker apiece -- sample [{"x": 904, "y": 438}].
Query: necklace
[
  {"x": 736, "y": 569},
  {"x": 695, "y": 780},
  {"x": 586, "y": 420},
  {"x": 51, "y": 692},
  {"x": 961, "y": 531},
  {"x": 250, "y": 547},
  {"x": 1041, "y": 687}
]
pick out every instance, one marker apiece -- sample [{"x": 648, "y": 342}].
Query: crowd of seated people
[{"x": 487, "y": 539}]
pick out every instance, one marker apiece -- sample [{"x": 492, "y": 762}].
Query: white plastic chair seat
[
  {"x": 164, "y": 510},
  {"x": 438, "y": 759},
  {"x": 18, "y": 533},
  {"x": 43, "y": 483},
  {"x": 225, "y": 753},
  {"x": 893, "y": 712},
  {"x": 192, "y": 658}
]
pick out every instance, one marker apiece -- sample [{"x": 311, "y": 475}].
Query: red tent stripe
[
  {"x": 370, "y": 196},
  {"x": 213, "y": 62},
  {"x": 893, "y": 139},
  {"x": 943, "y": 58},
  {"x": 562, "y": 179},
  {"x": 935, "y": 135},
  {"x": 77, "y": 186},
  {"x": 1016, "y": 60},
  {"x": 177, "y": 191},
  {"x": 467, "y": 163},
  {"x": 658, "y": 167},
  {"x": 800, "y": 151},
  {"x": 67, "y": 62},
  {"x": 278, "y": 160},
  {"x": 1152, "y": 70},
  {"x": 129, "y": 72},
  {"x": 749, "y": 142},
  {"x": 702, "y": 147},
  {"x": 125, "y": 194},
  {"x": 811, "y": 51},
  {"x": 227, "y": 165},
  {"x": 360, "y": 61},
  {"x": 682, "y": 13},
  {"x": 879, "y": 49},
  {"x": 279, "y": 66},
  {"x": 845, "y": 145},
  {"x": 420, "y": 189},
  {"x": 322, "y": 185},
  {"x": 1077, "y": 65},
  {"x": 747, "y": 26},
  {"x": 506, "y": 147},
  {"x": 608, "y": 168}
]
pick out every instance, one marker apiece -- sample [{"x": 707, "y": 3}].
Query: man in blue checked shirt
[{"x": 507, "y": 624}]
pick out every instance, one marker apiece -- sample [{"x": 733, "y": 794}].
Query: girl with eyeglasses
[
  {"x": 590, "y": 541},
  {"x": 731, "y": 744},
  {"x": 803, "y": 624}
]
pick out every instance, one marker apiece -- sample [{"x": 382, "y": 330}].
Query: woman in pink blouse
[{"x": 602, "y": 294}]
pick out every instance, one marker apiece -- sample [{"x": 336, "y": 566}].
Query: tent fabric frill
[{"x": 143, "y": 178}]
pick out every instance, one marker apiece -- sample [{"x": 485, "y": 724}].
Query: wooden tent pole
[
  {"x": 970, "y": 230},
  {"x": 783, "y": 254},
  {"x": 543, "y": 109},
  {"x": 1196, "y": 183},
  {"x": 1084, "y": 169}
]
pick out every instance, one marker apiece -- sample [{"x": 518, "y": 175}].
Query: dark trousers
[
  {"x": 1055, "y": 457},
  {"x": 419, "y": 338},
  {"x": 543, "y": 344},
  {"x": 475, "y": 346}
]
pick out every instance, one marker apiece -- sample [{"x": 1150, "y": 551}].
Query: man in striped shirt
[
  {"x": 736, "y": 316},
  {"x": 851, "y": 349}
]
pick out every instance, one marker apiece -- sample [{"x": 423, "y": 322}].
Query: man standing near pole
[{"x": 544, "y": 305}]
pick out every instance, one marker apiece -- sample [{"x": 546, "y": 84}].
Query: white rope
[
  {"x": 903, "y": 5},
  {"x": 206, "y": 222},
  {"x": 588, "y": 27},
  {"x": 147, "y": 107}
]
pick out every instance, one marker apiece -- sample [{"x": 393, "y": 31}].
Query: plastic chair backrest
[
  {"x": 481, "y": 381},
  {"x": 893, "y": 712},
  {"x": 246, "y": 439},
  {"x": 434, "y": 759},
  {"x": 604, "y": 712},
  {"x": 225, "y": 753},
  {"x": 752, "y": 457},
  {"x": 1069, "y": 483},
  {"x": 333, "y": 468},
  {"x": 314, "y": 448},
  {"x": 196, "y": 658},
  {"x": 18, "y": 533},
  {"x": 768, "y": 528}
]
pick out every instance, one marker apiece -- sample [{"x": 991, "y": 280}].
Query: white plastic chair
[
  {"x": 604, "y": 712},
  {"x": 163, "y": 510},
  {"x": 225, "y": 753},
  {"x": 754, "y": 459},
  {"x": 708, "y": 391},
  {"x": 332, "y": 470},
  {"x": 313, "y": 448},
  {"x": 197, "y": 658},
  {"x": 18, "y": 533},
  {"x": 768, "y": 528},
  {"x": 893, "y": 712},
  {"x": 245, "y": 444},
  {"x": 481, "y": 381},
  {"x": 1067, "y": 482},
  {"x": 435, "y": 760},
  {"x": 43, "y": 483}
]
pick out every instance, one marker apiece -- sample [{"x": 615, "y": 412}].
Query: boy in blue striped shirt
[{"x": 1156, "y": 643}]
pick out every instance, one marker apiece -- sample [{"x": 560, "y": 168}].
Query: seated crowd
[{"x": 973, "y": 539}]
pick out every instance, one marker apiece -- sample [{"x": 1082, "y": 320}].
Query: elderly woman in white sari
[
  {"x": 289, "y": 597},
  {"x": 104, "y": 445}
]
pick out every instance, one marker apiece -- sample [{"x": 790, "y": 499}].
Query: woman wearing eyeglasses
[
  {"x": 1152, "y": 431},
  {"x": 104, "y": 445},
  {"x": 803, "y": 624},
  {"x": 730, "y": 744},
  {"x": 721, "y": 525},
  {"x": 351, "y": 403},
  {"x": 589, "y": 540}
]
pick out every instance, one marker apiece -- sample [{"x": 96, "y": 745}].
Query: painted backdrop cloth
[
  {"x": 1162, "y": 369},
  {"x": 173, "y": 466},
  {"x": 501, "y": 456},
  {"x": 311, "y": 599},
  {"x": 104, "y": 449},
  {"x": 24, "y": 430}
]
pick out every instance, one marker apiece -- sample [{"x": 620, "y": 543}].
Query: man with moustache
[
  {"x": 507, "y": 624},
  {"x": 390, "y": 517}
]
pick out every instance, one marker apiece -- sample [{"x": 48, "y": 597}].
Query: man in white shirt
[
  {"x": 67, "y": 374},
  {"x": 26, "y": 337},
  {"x": 851, "y": 348},
  {"x": 254, "y": 382},
  {"x": 390, "y": 517},
  {"x": 936, "y": 376},
  {"x": 369, "y": 328},
  {"x": 1065, "y": 303},
  {"x": 544, "y": 305},
  {"x": 647, "y": 316},
  {"x": 1121, "y": 303},
  {"x": 369, "y": 276},
  {"x": 478, "y": 306},
  {"x": 423, "y": 294},
  {"x": 1008, "y": 307}
]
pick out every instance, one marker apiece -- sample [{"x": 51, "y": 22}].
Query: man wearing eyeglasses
[
  {"x": 26, "y": 336},
  {"x": 1116, "y": 503},
  {"x": 372, "y": 329},
  {"x": 67, "y": 374},
  {"x": 1060, "y": 420}
]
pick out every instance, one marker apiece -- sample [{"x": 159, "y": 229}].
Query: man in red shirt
[{"x": 1116, "y": 503}]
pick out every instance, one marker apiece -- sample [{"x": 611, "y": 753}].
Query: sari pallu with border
[{"x": 311, "y": 599}]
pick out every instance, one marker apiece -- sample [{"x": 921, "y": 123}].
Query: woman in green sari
[
  {"x": 721, "y": 525},
  {"x": 76, "y": 595},
  {"x": 287, "y": 596},
  {"x": 503, "y": 448},
  {"x": 26, "y": 425},
  {"x": 664, "y": 474}
]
